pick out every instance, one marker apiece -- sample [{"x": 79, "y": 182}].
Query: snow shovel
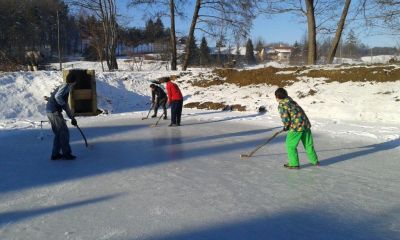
[
  {"x": 245, "y": 156},
  {"x": 154, "y": 125},
  {"x": 84, "y": 138},
  {"x": 151, "y": 108}
]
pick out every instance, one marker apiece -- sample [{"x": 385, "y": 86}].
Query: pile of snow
[
  {"x": 124, "y": 64},
  {"x": 346, "y": 61},
  {"x": 378, "y": 59},
  {"x": 21, "y": 94}
]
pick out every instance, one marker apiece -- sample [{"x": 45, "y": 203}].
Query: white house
[{"x": 280, "y": 53}]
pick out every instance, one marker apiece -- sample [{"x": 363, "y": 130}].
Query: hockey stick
[
  {"x": 84, "y": 138},
  {"x": 153, "y": 125},
  {"x": 151, "y": 108},
  {"x": 260, "y": 146},
  {"x": 41, "y": 134}
]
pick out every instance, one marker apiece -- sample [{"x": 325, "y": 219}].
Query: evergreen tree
[
  {"x": 250, "y": 53},
  {"x": 351, "y": 43},
  {"x": 194, "y": 52},
  {"x": 27, "y": 25},
  {"x": 259, "y": 45},
  {"x": 295, "y": 55},
  {"x": 204, "y": 52},
  {"x": 304, "y": 49},
  {"x": 220, "y": 44},
  {"x": 158, "y": 29},
  {"x": 150, "y": 31}
]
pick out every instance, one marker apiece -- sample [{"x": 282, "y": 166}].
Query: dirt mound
[
  {"x": 287, "y": 76},
  {"x": 215, "y": 106},
  {"x": 257, "y": 76},
  {"x": 358, "y": 74}
]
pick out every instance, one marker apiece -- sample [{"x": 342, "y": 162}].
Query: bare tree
[
  {"x": 339, "y": 30},
  {"x": 173, "y": 11},
  {"x": 191, "y": 34},
  {"x": 235, "y": 15},
  {"x": 106, "y": 12},
  {"x": 93, "y": 31},
  {"x": 384, "y": 14},
  {"x": 312, "y": 32},
  {"x": 322, "y": 10},
  {"x": 174, "y": 56}
]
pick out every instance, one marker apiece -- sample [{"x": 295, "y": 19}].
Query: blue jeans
[
  {"x": 61, "y": 134},
  {"x": 163, "y": 104},
  {"x": 176, "y": 112}
]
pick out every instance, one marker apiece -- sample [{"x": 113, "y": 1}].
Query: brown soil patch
[
  {"x": 358, "y": 74},
  {"x": 282, "y": 77},
  {"x": 257, "y": 76},
  {"x": 215, "y": 106}
]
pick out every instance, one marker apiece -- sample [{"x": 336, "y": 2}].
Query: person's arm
[
  {"x": 61, "y": 92},
  {"x": 169, "y": 93},
  {"x": 60, "y": 99},
  {"x": 152, "y": 96}
]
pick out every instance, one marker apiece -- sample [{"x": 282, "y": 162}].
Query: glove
[
  {"x": 73, "y": 122},
  {"x": 285, "y": 129}
]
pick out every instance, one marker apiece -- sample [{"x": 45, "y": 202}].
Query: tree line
[
  {"x": 32, "y": 25},
  {"x": 50, "y": 26}
]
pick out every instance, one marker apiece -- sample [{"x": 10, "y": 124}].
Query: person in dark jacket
[
  {"x": 57, "y": 102},
  {"x": 158, "y": 98},
  {"x": 298, "y": 128},
  {"x": 175, "y": 100}
]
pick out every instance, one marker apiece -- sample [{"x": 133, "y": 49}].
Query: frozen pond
[{"x": 188, "y": 182}]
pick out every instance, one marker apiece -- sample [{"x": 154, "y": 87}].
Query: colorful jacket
[
  {"x": 293, "y": 116},
  {"x": 173, "y": 91}
]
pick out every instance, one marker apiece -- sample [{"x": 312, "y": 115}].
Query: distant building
[{"x": 279, "y": 54}]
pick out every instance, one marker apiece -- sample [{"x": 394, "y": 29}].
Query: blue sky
[{"x": 281, "y": 28}]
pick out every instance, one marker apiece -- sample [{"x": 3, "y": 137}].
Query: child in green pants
[{"x": 298, "y": 128}]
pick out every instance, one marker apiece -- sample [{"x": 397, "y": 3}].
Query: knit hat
[
  {"x": 281, "y": 93},
  {"x": 164, "y": 79},
  {"x": 70, "y": 78}
]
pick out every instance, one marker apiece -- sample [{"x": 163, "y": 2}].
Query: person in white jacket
[{"x": 57, "y": 102}]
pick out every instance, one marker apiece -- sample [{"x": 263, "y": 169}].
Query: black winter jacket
[{"x": 159, "y": 92}]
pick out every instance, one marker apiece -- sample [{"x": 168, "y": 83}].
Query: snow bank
[
  {"x": 378, "y": 59},
  {"x": 21, "y": 94}
]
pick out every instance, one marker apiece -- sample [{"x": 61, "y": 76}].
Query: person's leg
[
  {"x": 63, "y": 134},
  {"x": 56, "y": 141},
  {"x": 179, "y": 112},
  {"x": 308, "y": 143},
  {"x": 292, "y": 140},
  {"x": 156, "y": 106},
  {"x": 173, "y": 112},
  {"x": 164, "y": 106}
]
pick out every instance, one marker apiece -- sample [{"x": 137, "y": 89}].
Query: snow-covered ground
[{"x": 141, "y": 182}]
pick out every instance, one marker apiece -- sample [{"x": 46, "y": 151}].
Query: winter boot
[
  {"x": 68, "y": 157},
  {"x": 290, "y": 167},
  {"x": 56, "y": 157}
]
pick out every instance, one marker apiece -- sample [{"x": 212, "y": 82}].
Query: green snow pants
[{"x": 293, "y": 139}]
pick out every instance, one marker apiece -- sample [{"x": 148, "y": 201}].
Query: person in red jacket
[{"x": 175, "y": 100}]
